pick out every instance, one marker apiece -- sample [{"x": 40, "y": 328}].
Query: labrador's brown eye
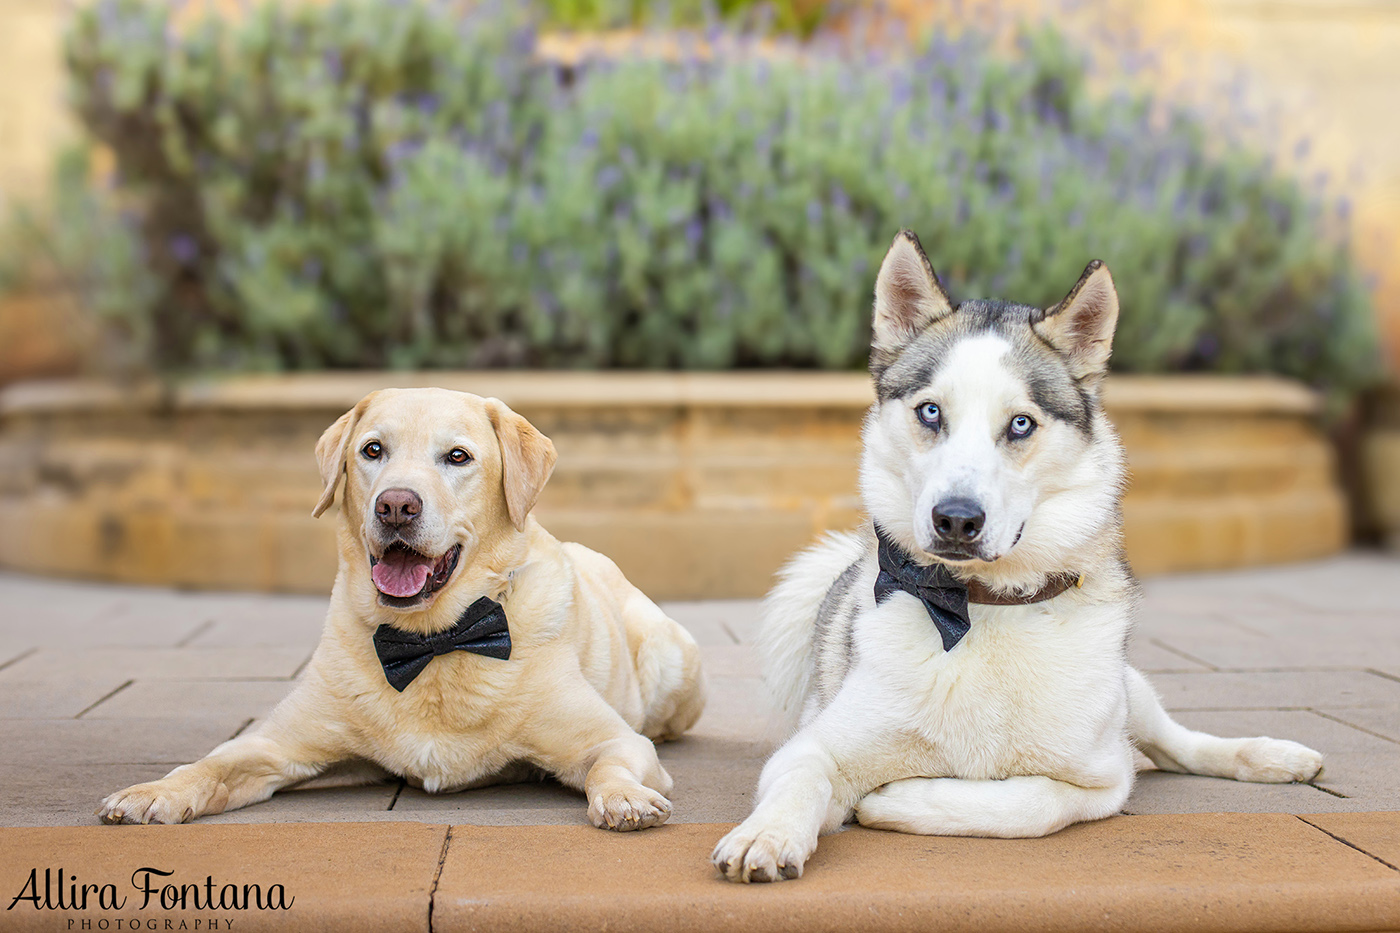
[
  {"x": 458, "y": 455},
  {"x": 372, "y": 450}
]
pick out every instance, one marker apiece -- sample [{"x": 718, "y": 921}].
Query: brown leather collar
[{"x": 1056, "y": 584}]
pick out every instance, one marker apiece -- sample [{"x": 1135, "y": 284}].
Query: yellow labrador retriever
[{"x": 464, "y": 645}]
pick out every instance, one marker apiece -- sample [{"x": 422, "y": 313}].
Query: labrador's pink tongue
[{"x": 401, "y": 573}]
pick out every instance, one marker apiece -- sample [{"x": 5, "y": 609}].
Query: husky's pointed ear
[
  {"x": 527, "y": 460},
  {"x": 330, "y": 453},
  {"x": 1081, "y": 327},
  {"x": 908, "y": 297}
]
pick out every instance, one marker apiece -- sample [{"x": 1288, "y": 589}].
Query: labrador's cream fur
[{"x": 596, "y": 670}]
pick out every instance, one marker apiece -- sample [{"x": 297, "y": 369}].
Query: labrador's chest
[{"x": 457, "y": 722}]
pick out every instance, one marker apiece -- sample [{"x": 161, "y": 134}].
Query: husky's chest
[{"x": 1028, "y": 690}]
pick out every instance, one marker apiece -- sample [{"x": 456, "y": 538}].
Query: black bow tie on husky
[
  {"x": 481, "y": 629},
  {"x": 944, "y": 596}
]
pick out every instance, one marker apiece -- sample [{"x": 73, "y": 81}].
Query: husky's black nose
[{"x": 958, "y": 521}]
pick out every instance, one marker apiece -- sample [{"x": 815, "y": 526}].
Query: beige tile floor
[{"x": 103, "y": 686}]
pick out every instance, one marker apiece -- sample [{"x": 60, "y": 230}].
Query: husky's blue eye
[
  {"x": 1021, "y": 426},
  {"x": 929, "y": 414}
]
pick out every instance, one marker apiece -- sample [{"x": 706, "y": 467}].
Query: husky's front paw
[
  {"x": 163, "y": 801},
  {"x": 628, "y": 807},
  {"x": 1276, "y": 761},
  {"x": 755, "y": 853}
]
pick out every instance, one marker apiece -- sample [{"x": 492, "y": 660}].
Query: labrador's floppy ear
[
  {"x": 330, "y": 453},
  {"x": 527, "y": 460},
  {"x": 908, "y": 297},
  {"x": 1081, "y": 326}
]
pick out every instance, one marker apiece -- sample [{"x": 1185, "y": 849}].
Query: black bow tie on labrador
[
  {"x": 943, "y": 595},
  {"x": 481, "y": 629}
]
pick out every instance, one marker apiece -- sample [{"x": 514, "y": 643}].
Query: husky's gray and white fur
[{"x": 988, "y": 450}]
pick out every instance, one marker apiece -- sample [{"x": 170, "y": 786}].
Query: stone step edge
[
  {"x": 1276, "y": 872},
  {"x": 562, "y": 389}
]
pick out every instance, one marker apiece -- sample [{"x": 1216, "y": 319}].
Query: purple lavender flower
[
  {"x": 184, "y": 249},
  {"x": 608, "y": 176},
  {"x": 840, "y": 200}
]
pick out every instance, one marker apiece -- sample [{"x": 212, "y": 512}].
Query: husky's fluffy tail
[{"x": 787, "y": 640}]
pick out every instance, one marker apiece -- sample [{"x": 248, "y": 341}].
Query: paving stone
[
  {"x": 1347, "y": 583},
  {"x": 256, "y": 621},
  {"x": 1276, "y": 690},
  {"x": 1369, "y": 778},
  {"x": 735, "y": 707},
  {"x": 1381, "y": 720},
  {"x": 698, "y": 747},
  {"x": 510, "y": 816},
  {"x": 1149, "y": 657},
  {"x": 65, "y": 794},
  {"x": 203, "y": 664},
  {"x": 273, "y": 663},
  {"x": 731, "y": 661},
  {"x": 702, "y": 622},
  {"x": 1164, "y": 792},
  {"x": 57, "y": 697},
  {"x": 157, "y": 699},
  {"x": 1331, "y": 627},
  {"x": 548, "y": 794},
  {"x": 22, "y": 596},
  {"x": 61, "y": 627},
  {"x": 9, "y": 655},
  {"x": 1326, "y": 735},
  {"x": 714, "y": 790},
  {"x": 1290, "y": 651},
  {"x": 1185, "y": 630},
  {"x": 271, "y": 631},
  {"x": 48, "y": 745},
  {"x": 1376, "y": 834},
  {"x": 739, "y": 618},
  {"x": 63, "y": 613},
  {"x": 1218, "y": 872},
  {"x": 345, "y": 877},
  {"x": 314, "y": 805}
]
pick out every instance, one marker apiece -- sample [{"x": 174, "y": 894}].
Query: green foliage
[
  {"x": 82, "y": 243},
  {"x": 802, "y": 17},
  {"x": 378, "y": 183}
]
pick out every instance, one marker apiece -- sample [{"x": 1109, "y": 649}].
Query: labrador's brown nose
[{"x": 397, "y": 507}]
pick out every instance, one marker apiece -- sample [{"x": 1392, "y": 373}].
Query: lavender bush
[
  {"x": 367, "y": 184},
  {"x": 794, "y": 16}
]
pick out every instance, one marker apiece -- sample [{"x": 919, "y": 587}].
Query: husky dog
[{"x": 993, "y": 478}]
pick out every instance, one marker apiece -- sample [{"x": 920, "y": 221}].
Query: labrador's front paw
[
  {"x": 178, "y": 797},
  {"x": 757, "y": 853},
  {"x": 627, "y": 807},
  {"x": 157, "y": 802}
]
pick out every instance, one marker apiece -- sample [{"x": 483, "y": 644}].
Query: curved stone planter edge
[{"x": 698, "y": 485}]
